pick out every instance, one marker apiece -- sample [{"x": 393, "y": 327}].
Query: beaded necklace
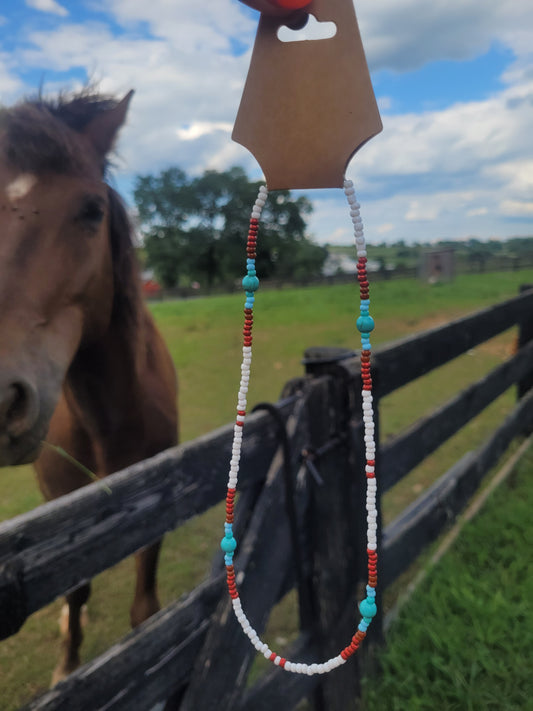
[{"x": 365, "y": 325}]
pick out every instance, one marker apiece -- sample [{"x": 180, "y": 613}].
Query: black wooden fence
[{"x": 193, "y": 652}]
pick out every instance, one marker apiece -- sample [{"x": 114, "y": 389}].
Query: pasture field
[{"x": 204, "y": 336}]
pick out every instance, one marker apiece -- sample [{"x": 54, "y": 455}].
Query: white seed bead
[{"x": 369, "y": 431}]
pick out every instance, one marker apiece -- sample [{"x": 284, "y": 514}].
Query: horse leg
[
  {"x": 145, "y": 602},
  {"x": 72, "y": 634}
]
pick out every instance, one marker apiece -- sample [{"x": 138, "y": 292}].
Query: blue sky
[{"x": 453, "y": 79}]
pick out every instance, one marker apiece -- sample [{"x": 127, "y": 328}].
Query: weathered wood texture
[
  {"x": 261, "y": 566},
  {"x": 148, "y": 665},
  {"x": 51, "y": 550},
  {"x": 403, "y": 453},
  {"x": 335, "y": 541},
  {"x": 276, "y": 690},
  {"x": 424, "y": 520},
  {"x": 408, "y": 359},
  {"x": 525, "y": 336}
]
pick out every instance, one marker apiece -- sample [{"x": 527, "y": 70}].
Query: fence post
[
  {"x": 336, "y": 529},
  {"x": 525, "y": 335}
]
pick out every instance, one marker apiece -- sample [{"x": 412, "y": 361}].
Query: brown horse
[{"x": 82, "y": 364}]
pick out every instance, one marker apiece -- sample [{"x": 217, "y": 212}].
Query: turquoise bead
[
  {"x": 368, "y": 608},
  {"x": 228, "y": 545},
  {"x": 250, "y": 284},
  {"x": 365, "y": 324}
]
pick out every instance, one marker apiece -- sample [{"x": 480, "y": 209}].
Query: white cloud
[
  {"x": 10, "y": 84},
  {"x": 517, "y": 208},
  {"x": 405, "y": 34},
  {"x": 201, "y": 128},
  {"x": 48, "y": 6},
  {"x": 422, "y": 211},
  {"x": 385, "y": 103},
  {"x": 477, "y": 212}
]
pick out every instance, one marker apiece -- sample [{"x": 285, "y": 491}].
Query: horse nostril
[{"x": 19, "y": 408}]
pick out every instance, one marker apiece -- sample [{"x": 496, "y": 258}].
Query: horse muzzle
[{"x": 21, "y": 423}]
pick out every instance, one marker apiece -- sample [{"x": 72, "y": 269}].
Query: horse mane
[
  {"x": 127, "y": 301},
  {"x": 37, "y": 142}
]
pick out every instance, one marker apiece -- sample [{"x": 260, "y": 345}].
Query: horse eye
[{"x": 92, "y": 213}]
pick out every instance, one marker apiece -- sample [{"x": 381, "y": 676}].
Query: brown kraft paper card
[{"x": 308, "y": 105}]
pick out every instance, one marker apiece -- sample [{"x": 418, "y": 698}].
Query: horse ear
[{"x": 103, "y": 128}]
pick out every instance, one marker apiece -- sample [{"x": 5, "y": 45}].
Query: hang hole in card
[
  {"x": 313, "y": 30},
  {"x": 307, "y": 107}
]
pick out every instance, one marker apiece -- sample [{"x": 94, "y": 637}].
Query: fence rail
[{"x": 193, "y": 653}]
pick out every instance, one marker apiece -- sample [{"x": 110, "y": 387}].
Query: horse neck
[{"x": 103, "y": 386}]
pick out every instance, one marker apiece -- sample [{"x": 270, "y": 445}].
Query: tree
[{"x": 195, "y": 228}]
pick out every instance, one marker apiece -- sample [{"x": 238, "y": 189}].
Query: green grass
[
  {"x": 204, "y": 336},
  {"x": 464, "y": 642}
]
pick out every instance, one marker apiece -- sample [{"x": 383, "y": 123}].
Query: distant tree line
[
  {"x": 472, "y": 254},
  {"x": 195, "y": 228}
]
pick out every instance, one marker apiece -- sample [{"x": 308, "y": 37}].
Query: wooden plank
[
  {"x": 334, "y": 531},
  {"x": 262, "y": 564},
  {"x": 525, "y": 335},
  {"x": 146, "y": 666},
  {"x": 402, "y": 454},
  {"x": 278, "y": 689},
  {"x": 52, "y": 549},
  {"x": 408, "y": 359},
  {"x": 423, "y": 521},
  {"x": 474, "y": 507}
]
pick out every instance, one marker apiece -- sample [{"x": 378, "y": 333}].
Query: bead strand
[{"x": 365, "y": 325}]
